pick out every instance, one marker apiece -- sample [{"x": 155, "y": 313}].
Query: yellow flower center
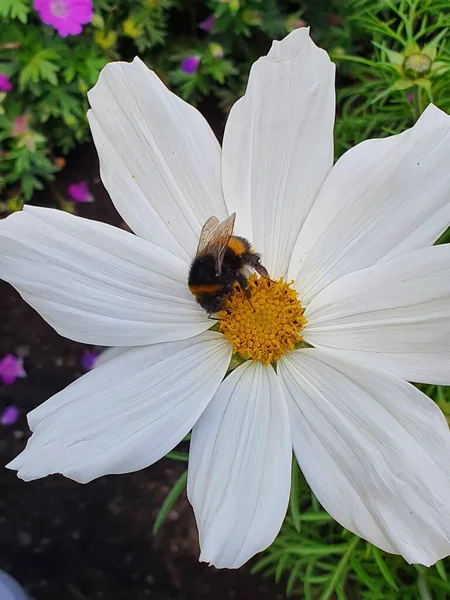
[{"x": 267, "y": 325}]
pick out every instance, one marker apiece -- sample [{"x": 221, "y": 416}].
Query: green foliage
[
  {"x": 51, "y": 75},
  {"x": 15, "y": 9},
  {"x": 395, "y": 58}
]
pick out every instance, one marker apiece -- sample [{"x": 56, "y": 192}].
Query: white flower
[{"x": 357, "y": 240}]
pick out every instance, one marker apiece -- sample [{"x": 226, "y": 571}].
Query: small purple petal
[
  {"x": 409, "y": 97},
  {"x": 11, "y": 368},
  {"x": 88, "y": 359},
  {"x": 5, "y": 84},
  {"x": 10, "y": 415},
  {"x": 190, "y": 64},
  {"x": 208, "y": 23},
  {"x": 79, "y": 192}
]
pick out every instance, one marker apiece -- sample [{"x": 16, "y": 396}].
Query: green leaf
[
  {"x": 441, "y": 570},
  {"x": 176, "y": 455},
  {"x": 394, "y": 57},
  {"x": 369, "y": 581},
  {"x": 384, "y": 569},
  {"x": 15, "y": 9},
  {"x": 40, "y": 67},
  {"x": 294, "y": 499},
  {"x": 339, "y": 572},
  {"x": 170, "y": 500},
  {"x": 293, "y": 576},
  {"x": 281, "y": 566}
]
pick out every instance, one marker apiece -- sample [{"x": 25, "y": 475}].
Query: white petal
[
  {"x": 278, "y": 146},
  {"x": 95, "y": 283},
  {"x": 375, "y": 451},
  {"x": 127, "y": 413},
  {"x": 239, "y": 467},
  {"x": 382, "y": 198},
  {"x": 395, "y": 314},
  {"x": 159, "y": 159}
]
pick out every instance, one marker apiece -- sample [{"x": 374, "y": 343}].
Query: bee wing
[
  {"x": 214, "y": 238},
  {"x": 206, "y": 234}
]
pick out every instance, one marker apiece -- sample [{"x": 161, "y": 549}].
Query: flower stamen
[
  {"x": 59, "y": 8},
  {"x": 266, "y": 326}
]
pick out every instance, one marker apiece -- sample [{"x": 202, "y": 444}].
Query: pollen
[{"x": 266, "y": 325}]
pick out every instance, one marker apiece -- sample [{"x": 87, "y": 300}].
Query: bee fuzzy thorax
[{"x": 239, "y": 246}]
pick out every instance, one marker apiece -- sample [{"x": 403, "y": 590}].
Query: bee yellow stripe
[
  {"x": 237, "y": 246},
  {"x": 207, "y": 288}
]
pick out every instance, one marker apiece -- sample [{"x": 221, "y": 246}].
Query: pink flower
[
  {"x": 5, "y": 84},
  {"x": 79, "y": 192},
  {"x": 66, "y": 16},
  {"x": 9, "y": 416},
  {"x": 190, "y": 64},
  {"x": 208, "y": 23},
  {"x": 88, "y": 359},
  {"x": 11, "y": 368},
  {"x": 20, "y": 125}
]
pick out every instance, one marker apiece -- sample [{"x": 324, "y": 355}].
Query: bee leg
[
  {"x": 254, "y": 261},
  {"x": 243, "y": 283}
]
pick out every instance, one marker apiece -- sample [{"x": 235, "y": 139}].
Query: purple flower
[
  {"x": 208, "y": 23},
  {"x": 79, "y": 192},
  {"x": 11, "y": 368},
  {"x": 5, "y": 84},
  {"x": 190, "y": 64},
  {"x": 409, "y": 97},
  {"x": 9, "y": 416},
  {"x": 88, "y": 359},
  {"x": 66, "y": 16}
]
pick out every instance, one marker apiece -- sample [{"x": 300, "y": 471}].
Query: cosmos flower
[
  {"x": 5, "y": 84},
  {"x": 79, "y": 192},
  {"x": 358, "y": 304},
  {"x": 66, "y": 16},
  {"x": 11, "y": 368},
  {"x": 190, "y": 64}
]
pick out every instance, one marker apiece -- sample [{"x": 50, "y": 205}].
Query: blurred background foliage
[{"x": 393, "y": 58}]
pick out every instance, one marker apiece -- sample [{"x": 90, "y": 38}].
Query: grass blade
[{"x": 170, "y": 500}]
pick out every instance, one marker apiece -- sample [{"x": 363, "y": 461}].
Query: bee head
[{"x": 212, "y": 303}]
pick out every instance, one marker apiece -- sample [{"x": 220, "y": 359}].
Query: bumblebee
[{"x": 219, "y": 263}]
